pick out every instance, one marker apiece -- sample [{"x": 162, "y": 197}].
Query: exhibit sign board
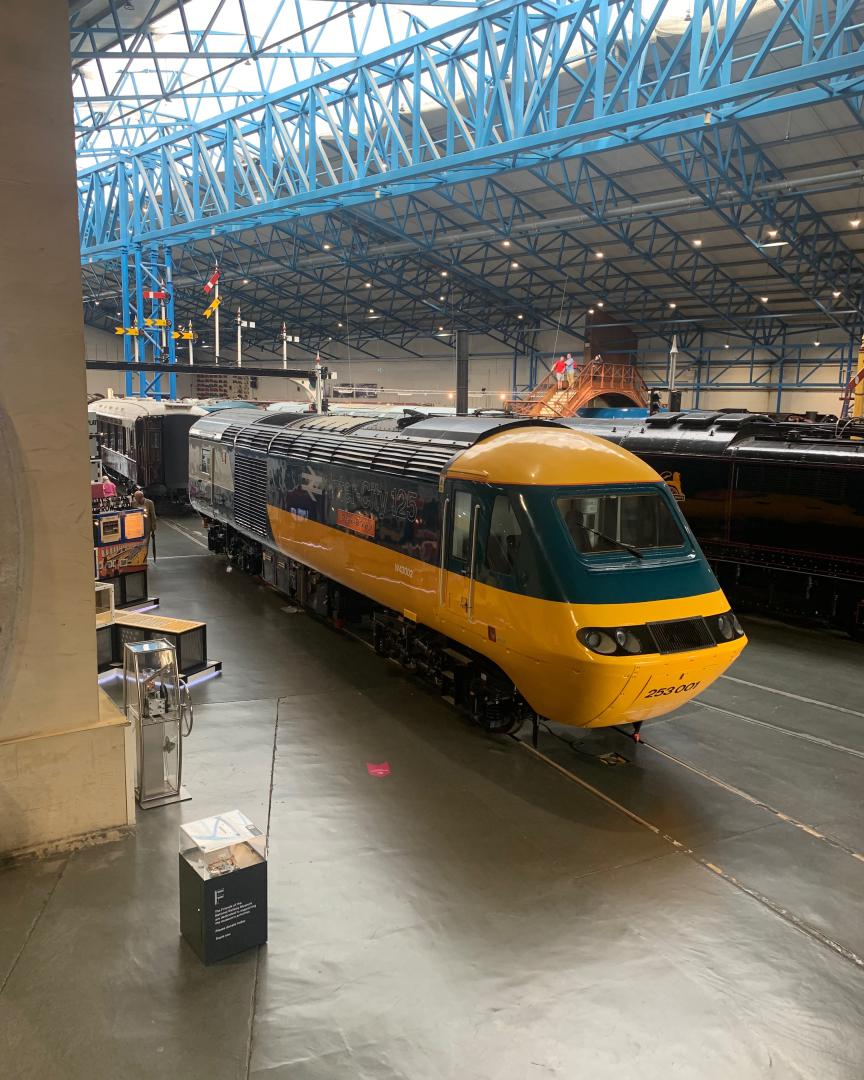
[{"x": 223, "y": 885}]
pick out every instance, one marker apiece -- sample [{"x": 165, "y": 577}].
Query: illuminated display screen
[
  {"x": 134, "y": 525},
  {"x": 109, "y": 529}
]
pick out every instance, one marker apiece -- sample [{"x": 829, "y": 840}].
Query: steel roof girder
[
  {"x": 603, "y": 109},
  {"x": 836, "y": 264},
  {"x": 659, "y": 244}
]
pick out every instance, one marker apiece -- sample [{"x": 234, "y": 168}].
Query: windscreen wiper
[{"x": 611, "y": 540}]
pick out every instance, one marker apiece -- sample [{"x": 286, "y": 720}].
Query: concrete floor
[{"x": 485, "y": 912}]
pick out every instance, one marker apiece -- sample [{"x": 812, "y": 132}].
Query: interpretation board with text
[{"x": 223, "y": 885}]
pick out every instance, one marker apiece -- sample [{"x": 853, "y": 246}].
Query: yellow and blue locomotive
[{"x": 526, "y": 568}]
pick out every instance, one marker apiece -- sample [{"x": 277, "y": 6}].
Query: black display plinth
[
  {"x": 223, "y": 885},
  {"x": 224, "y": 915}
]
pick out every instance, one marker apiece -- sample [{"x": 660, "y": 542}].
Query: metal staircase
[{"x": 595, "y": 379}]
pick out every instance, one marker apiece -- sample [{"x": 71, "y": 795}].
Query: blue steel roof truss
[{"x": 510, "y": 85}]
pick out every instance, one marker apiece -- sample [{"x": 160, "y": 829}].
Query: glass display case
[
  {"x": 223, "y": 885},
  {"x": 157, "y": 705}
]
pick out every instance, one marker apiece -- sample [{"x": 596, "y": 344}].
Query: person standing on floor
[
  {"x": 560, "y": 367},
  {"x": 139, "y": 500}
]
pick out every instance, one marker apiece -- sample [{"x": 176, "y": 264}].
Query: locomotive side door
[{"x": 461, "y": 550}]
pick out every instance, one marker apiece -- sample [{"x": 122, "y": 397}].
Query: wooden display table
[{"x": 188, "y": 637}]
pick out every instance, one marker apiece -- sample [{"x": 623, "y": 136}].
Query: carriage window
[
  {"x": 460, "y": 548},
  {"x": 604, "y": 523},
  {"x": 199, "y": 460},
  {"x": 505, "y": 538}
]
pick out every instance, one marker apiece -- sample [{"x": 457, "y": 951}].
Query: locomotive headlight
[
  {"x": 599, "y": 641},
  {"x": 727, "y": 627},
  {"x": 724, "y": 627},
  {"x": 611, "y": 642}
]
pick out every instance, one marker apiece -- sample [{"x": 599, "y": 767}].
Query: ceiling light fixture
[
  {"x": 339, "y": 325},
  {"x": 817, "y": 342},
  {"x": 726, "y": 345},
  {"x": 520, "y": 316},
  {"x": 772, "y": 233},
  {"x": 836, "y": 294},
  {"x": 506, "y": 243},
  {"x": 245, "y": 280},
  {"x": 443, "y": 273},
  {"x": 326, "y": 247},
  {"x": 672, "y": 304},
  {"x": 371, "y": 310},
  {"x": 601, "y": 303},
  {"x": 599, "y": 254},
  {"x": 515, "y": 265},
  {"x": 855, "y": 222},
  {"x": 442, "y": 297},
  {"x": 773, "y": 244},
  {"x": 764, "y": 299},
  {"x": 697, "y": 243},
  {"x": 590, "y": 310},
  {"x": 368, "y": 284}
]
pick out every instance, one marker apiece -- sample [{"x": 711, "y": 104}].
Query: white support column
[
  {"x": 62, "y": 748},
  {"x": 216, "y": 325}
]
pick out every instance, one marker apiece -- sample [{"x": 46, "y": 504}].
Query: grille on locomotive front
[{"x": 681, "y": 635}]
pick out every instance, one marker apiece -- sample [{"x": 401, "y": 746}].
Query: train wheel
[
  {"x": 507, "y": 725},
  {"x": 494, "y": 708}
]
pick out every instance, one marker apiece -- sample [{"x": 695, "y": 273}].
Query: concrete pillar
[{"x": 62, "y": 757}]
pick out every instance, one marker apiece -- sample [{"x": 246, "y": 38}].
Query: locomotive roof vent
[
  {"x": 663, "y": 419},
  {"x": 698, "y": 420},
  {"x": 278, "y": 419},
  {"x": 230, "y": 433},
  {"x": 734, "y": 421}
]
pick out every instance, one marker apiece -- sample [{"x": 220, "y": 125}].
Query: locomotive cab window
[
  {"x": 460, "y": 546},
  {"x": 504, "y": 540},
  {"x": 608, "y": 522}
]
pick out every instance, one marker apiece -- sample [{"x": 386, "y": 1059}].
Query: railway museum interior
[{"x": 432, "y": 540}]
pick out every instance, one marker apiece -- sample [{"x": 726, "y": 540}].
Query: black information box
[{"x": 223, "y": 886}]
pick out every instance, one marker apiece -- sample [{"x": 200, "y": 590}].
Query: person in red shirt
[{"x": 560, "y": 367}]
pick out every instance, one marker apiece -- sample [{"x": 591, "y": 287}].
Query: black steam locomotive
[{"x": 777, "y": 507}]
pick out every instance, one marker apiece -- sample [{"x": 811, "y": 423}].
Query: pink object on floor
[{"x": 378, "y": 770}]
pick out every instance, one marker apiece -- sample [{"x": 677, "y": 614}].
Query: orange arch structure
[{"x": 616, "y": 384}]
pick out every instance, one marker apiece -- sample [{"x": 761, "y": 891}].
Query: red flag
[
  {"x": 154, "y": 294},
  {"x": 211, "y": 281}
]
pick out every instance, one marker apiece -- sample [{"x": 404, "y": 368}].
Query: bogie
[{"x": 465, "y": 679}]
